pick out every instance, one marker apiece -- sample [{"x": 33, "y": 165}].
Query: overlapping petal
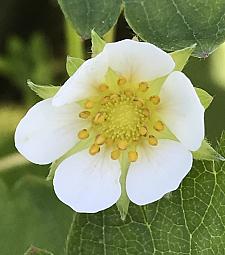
[
  {"x": 182, "y": 111},
  {"x": 47, "y": 132},
  {"x": 138, "y": 61},
  {"x": 83, "y": 82},
  {"x": 159, "y": 170},
  {"x": 88, "y": 183}
]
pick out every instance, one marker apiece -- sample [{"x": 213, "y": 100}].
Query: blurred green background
[{"x": 34, "y": 44}]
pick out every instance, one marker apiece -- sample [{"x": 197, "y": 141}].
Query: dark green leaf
[
  {"x": 187, "y": 221},
  {"x": 177, "y": 24},
  {"x": 86, "y": 15},
  {"x": 36, "y": 251}
]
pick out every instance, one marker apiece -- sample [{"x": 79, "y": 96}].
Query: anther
[
  {"x": 94, "y": 149},
  {"x": 100, "y": 139},
  {"x": 88, "y": 104},
  {"x": 122, "y": 144},
  {"x": 159, "y": 126},
  {"x": 84, "y": 114},
  {"x": 99, "y": 118},
  {"x": 155, "y": 100},
  {"x": 138, "y": 103},
  {"x": 152, "y": 140},
  {"x": 132, "y": 156},
  {"x": 109, "y": 142},
  {"x": 83, "y": 134},
  {"x": 114, "y": 97},
  {"x": 143, "y": 86},
  {"x": 143, "y": 131},
  {"x": 103, "y": 87},
  {"x": 146, "y": 112},
  {"x": 121, "y": 81},
  {"x": 115, "y": 154},
  {"x": 128, "y": 93}
]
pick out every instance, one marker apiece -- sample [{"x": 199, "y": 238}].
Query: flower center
[{"x": 121, "y": 118}]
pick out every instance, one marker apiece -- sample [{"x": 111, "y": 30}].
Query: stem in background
[
  {"x": 11, "y": 161},
  {"x": 75, "y": 45}
]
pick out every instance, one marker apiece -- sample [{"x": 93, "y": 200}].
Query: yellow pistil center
[{"x": 122, "y": 118}]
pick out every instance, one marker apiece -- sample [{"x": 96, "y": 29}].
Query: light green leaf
[
  {"x": 124, "y": 201},
  {"x": 188, "y": 221},
  {"x": 82, "y": 145},
  {"x": 205, "y": 97},
  {"x": 206, "y": 152},
  {"x": 181, "y": 57},
  {"x": 86, "y": 15},
  {"x": 36, "y": 251},
  {"x": 97, "y": 43},
  {"x": 72, "y": 64},
  {"x": 43, "y": 91},
  {"x": 174, "y": 25}
]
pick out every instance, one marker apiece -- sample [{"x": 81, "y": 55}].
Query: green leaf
[
  {"x": 124, "y": 201},
  {"x": 206, "y": 152},
  {"x": 30, "y": 213},
  {"x": 82, "y": 145},
  {"x": 97, "y": 43},
  {"x": 36, "y": 251},
  {"x": 189, "y": 220},
  {"x": 174, "y": 25},
  {"x": 43, "y": 91},
  {"x": 205, "y": 97},
  {"x": 72, "y": 64},
  {"x": 86, "y": 15},
  {"x": 181, "y": 57}
]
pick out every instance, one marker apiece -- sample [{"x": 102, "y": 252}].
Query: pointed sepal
[
  {"x": 72, "y": 64},
  {"x": 98, "y": 43}
]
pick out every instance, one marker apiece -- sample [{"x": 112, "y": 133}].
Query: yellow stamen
[
  {"x": 115, "y": 154},
  {"x": 84, "y": 114},
  {"x": 138, "y": 103},
  {"x": 146, "y": 112},
  {"x": 83, "y": 134},
  {"x": 143, "y": 131},
  {"x": 152, "y": 140},
  {"x": 155, "y": 100},
  {"x": 99, "y": 118},
  {"x": 94, "y": 149},
  {"x": 105, "y": 99},
  {"x": 143, "y": 86},
  {"x": 132, "y": 156},
  {"x": 128, "y": 93},
  {"x": 122, "y": 144},
  {"x": 159, "y": 126},
  {"x": 100, "y": 139},
  {"x": 121, "y": 81},
  {"x": 103, "y": 87},
  {"x": 109, "y": 142},
  {"x": 114, "y": 97},
  {"x": 88, "y": 104}
]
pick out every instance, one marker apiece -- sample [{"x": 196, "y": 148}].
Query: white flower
[{"x": 121, "y": 109}]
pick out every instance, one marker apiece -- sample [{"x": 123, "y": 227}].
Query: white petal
[
  {"x": 88, "y": 183},
  {"x": 138, "y": 61},
  {"x": 47, "y": 132},
  {"x": 182, "y": 111},
  {"x": 159, "y": 170},
  {"x": 83, "y": 82}
]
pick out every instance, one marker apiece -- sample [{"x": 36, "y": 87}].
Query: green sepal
[
  {"x": 82, "y": 145},
  {"x": 98, "y": 43},
  {"x": 124, "y": 201},
  {"x": 43, "y": 91},
  {"x": 181, "y": 57},
  {"x": 206, "y": 152},
  {"x": 205, "y": 97},
  {"x": 72, "y": 64},
  {"x": 36, "y": 251}
]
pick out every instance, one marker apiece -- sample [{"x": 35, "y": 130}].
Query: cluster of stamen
[{"x": 121, "y": 119}]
